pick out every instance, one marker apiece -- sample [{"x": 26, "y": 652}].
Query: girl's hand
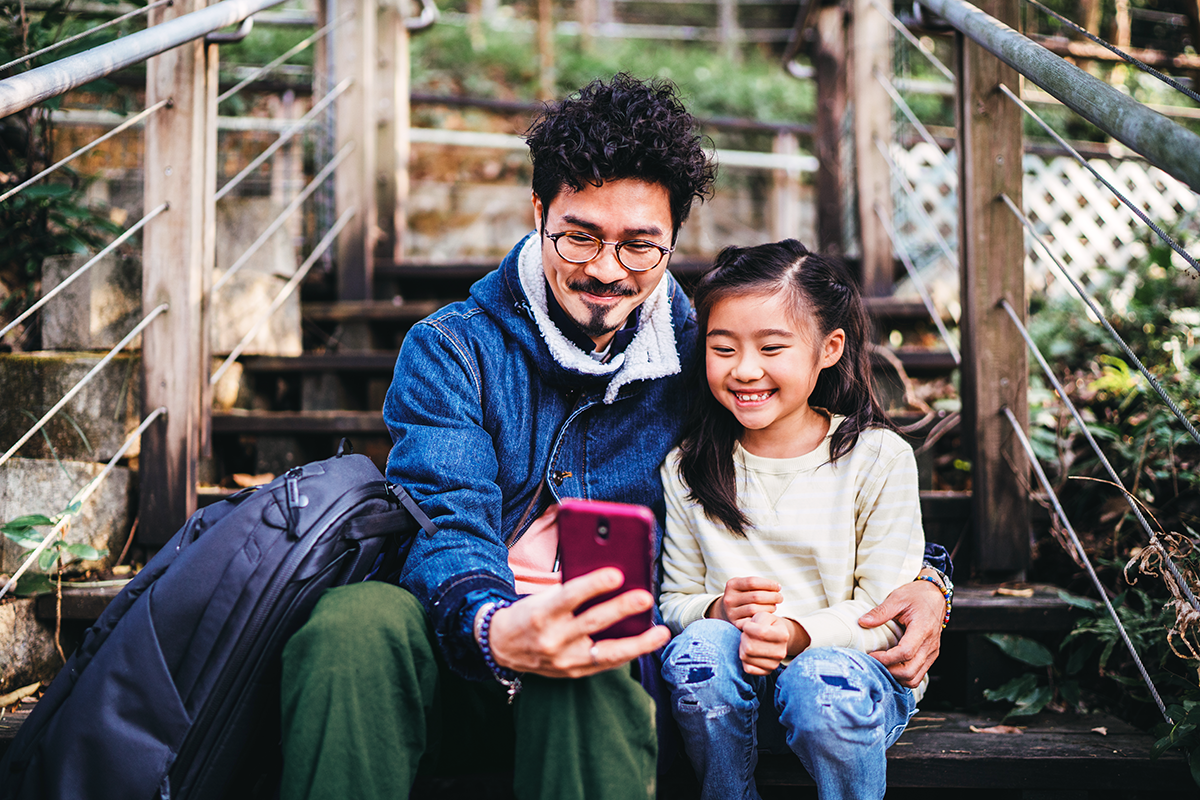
[
  {"x": 764, "y": 643},
  {"x": 745, "y": 597}
]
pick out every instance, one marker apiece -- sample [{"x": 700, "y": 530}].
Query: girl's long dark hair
[{"x": 819, "y": 288}]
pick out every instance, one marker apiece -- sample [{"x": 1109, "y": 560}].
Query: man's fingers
[
  {"x": 578, "y": 591},
  {"x": 759, "y": 598},
  {"x": 747, "y": 612},
  {"x": 614, "y": 652},
  {"x": 879, "y": 614},
  {"x": 602, "y": 615},
  {"x": 752, "y": 583}
]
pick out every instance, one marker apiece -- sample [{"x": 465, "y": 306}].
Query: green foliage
[
  {"x": 1033, "y": 691},
  {"x": 24, "y": 532},
  {"x": 505, "y": 66}
]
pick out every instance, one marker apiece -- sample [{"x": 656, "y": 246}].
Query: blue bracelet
[{"x": 507, "y": 678}]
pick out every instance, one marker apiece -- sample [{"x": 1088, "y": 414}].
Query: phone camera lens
[{"x": 602, "y": 528}]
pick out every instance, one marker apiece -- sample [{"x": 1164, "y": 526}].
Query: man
[{"x": 562, "y": 376}]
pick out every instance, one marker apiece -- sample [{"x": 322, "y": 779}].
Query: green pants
[{"x": 368, "y": 702}]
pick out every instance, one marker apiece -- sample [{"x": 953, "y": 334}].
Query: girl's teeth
[{"x": 753, "y": 398}]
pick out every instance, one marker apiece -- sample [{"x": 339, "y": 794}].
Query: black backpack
[{"x": 174, "y": 691}]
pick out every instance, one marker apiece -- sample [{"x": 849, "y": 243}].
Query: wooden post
[
  {"x": 354, "y": 56},
  {"x": 785, "y": 191},
  {"x": 209, "y": 256},
  {"x": 729, "y": 28},
  {"x": 172, "y": 272},
  {"x": 991, "y": 254},
  {"x": 587, "y": 18},
  {"x": 393, "y": 143},
  {"x": 545, "y": 31},
  {"x": 606, "y": 11},
  {"x": 871, "y": 53},
  {"x": 829, "y": 59}
]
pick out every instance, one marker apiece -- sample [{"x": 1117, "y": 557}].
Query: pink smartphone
[{"x": 593, "y": 534}]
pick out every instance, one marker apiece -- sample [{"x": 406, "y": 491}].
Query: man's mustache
[{"x": 592, "y": 286}]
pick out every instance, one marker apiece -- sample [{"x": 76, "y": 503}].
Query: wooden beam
[
  {"x": 354, "y": 56},
  {"x": 393, "y": 146},
  {"x": 299, "y": 422},
  {"x": 991, "y": 255},
  {"x": 829, "y": 58},
  {"x": 172, "y": 272},
  {"x": 871, "y": 55}
]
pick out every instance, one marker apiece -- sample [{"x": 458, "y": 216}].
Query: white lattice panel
[{"x": 1081, "y": 221}]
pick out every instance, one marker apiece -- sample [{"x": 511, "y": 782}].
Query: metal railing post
[
  {"x": 355, "y": 53},
  {"x": 172, "y": 273},
  {"x": 991, "y": 257}
]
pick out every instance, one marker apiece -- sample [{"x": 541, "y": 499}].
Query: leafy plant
[
  {"x": 24, "y": 532},
  {"x": 1033, "y": 691}
]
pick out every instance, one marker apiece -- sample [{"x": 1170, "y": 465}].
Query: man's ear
[
  {"x": 835, "y": 345},
  {"x": 537, "y": 212}
]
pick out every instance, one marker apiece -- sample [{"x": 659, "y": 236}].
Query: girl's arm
[
  {"x": 683, "y": 598},
  {"x": 889, "y": 552}
]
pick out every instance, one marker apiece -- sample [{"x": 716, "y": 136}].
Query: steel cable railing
[
  {"x": 1132, "y": 206},
  {"x": 926, "y": 298},
  {"x": 1086, "y": 562},
  {"x": 915, "y": 201},
  {"x": 904, "y": 107},
  {"x": 1144, "y": 67},
  {"x": 1091, "y": 440},
  {"x": 91, "y": 262},
  {"x": 283, "y": 295},
  {"x": 903, "y": 30},
  {"x": 81, "y": 497},
  {"x": 284, "y": 138},
  {"x": 1099, "y": 314},
  {"x": 297, "y": 48},
  {"x": 318, "y": 179},
  {"x": 78, "y": 387},
  {"x": 131, "y": 121},
  {"x": 137, "y": 12}
]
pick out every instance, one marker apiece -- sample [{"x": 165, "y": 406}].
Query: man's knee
[{"x": 363, "y": 620}]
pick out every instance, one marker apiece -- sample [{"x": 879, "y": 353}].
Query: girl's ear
[{"x": 835, "y": 345}]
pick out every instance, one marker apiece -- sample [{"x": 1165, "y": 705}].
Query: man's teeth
[{"x": 752, "y": 398}]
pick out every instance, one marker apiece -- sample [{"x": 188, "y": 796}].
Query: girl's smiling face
[{"x": 762, "y": 364}]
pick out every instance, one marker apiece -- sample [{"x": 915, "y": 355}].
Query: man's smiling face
[{"x": 600, "y": 294}]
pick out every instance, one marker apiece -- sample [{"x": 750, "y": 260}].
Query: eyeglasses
[{"x": 635, "y": 255}]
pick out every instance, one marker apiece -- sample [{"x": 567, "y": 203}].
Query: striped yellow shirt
[{"x": 838, "y": 539}]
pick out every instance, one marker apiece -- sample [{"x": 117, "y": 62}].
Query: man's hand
[
  {"x": 764, "y": 643},
  {"x": 541, "y": 634},
  {"x": 745, "y": 597},
  {"x": 919, "y": 607}
]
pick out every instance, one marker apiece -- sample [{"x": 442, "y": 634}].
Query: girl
[{"x": 792, "y": 509}]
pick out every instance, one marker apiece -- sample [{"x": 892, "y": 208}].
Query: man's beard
[{"x": 598, "y": 323}]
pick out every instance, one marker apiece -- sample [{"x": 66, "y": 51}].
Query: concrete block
[
  {"x": 98, "y": 308},
  {"x": 239, "y": 304},
  {"x": 27, "y": 652},
  {"x": 33, "y": 486},
  {"x": 92, "y": 426}
]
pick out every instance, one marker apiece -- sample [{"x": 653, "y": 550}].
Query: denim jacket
[{"x": 486, "y": 404}]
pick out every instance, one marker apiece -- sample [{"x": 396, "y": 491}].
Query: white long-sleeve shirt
[{"x": 838, "y": 539}]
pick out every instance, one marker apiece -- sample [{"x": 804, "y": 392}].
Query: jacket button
[{"x": 558, "y": 476}]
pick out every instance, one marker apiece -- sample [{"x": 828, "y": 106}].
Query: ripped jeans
[{"x": 841, "y": 710}]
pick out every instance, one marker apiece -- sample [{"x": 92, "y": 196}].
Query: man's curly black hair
[{"x": 625, "y": 128}]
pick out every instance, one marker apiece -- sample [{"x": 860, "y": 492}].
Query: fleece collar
[{"x": 651, "y": 355}]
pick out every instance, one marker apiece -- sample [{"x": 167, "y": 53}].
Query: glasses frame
[{"x": 663, "y": 252}]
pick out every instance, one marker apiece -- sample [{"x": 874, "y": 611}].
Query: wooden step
[
  {"x": 1053, "y": 752},
  {"x": 336, "y": 423},
  {"x": 941, "y": 752}
]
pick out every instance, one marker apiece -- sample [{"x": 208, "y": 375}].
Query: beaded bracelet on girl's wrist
[
  {"x": 483, "y": 627},
  {"x": 947, "y": 593}
]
